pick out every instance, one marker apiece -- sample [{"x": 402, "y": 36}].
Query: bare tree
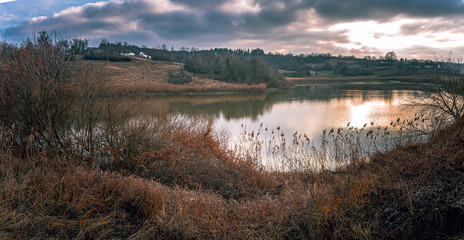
[{"x": 446, "y": 100}]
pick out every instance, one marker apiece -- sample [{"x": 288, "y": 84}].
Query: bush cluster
[
  {"x": 179, "y": 77},
  {"x": 106, "y": 57},
  {"x": 33, "y": 97},
  {"x": 233, "y": 69}
]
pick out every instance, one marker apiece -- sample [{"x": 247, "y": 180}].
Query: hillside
[
  {"x": 144, "y": 76},
  {"x": 417, "y": 191}
]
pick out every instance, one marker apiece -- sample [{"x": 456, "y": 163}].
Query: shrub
[
  {"x": 33, "y": 81},
  {"x": 106, "y": 57},
  {"x": 179, "y": 77}
]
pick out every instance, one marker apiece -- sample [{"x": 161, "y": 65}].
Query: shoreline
[
  {"x": 416, "y": 78},
  {"x": 188, "y": 90}
]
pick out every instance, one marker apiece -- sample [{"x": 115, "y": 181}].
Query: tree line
[
  {"x": 232, "y": 68},
  {"x": 211, "y": 62}
]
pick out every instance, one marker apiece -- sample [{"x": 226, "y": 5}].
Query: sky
[{"x": 422, "y": 29}]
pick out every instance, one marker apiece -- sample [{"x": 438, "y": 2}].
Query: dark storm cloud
[
  {"x": 284, "y": 12},
  {"x": 434, "y": 25},
  {"x": 201, "y": 17},
  {"x": 177, "y": 25},
  {"x": 366, "y": 9},
  {"x": 218, "y": 24},
  {"x": 203, "y": 4},
  {"x": 61, "y": 25},
  {"x": 210, "y": 23},
  {"x": 128, "y": 8}
]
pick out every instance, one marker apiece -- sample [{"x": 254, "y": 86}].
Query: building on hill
[{"x": 141, "y": 54}]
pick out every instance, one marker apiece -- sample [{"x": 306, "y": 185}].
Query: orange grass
[{"x": 53, "y": 196}]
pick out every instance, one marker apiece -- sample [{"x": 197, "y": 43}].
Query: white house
[{"x": 141, "y": 54}]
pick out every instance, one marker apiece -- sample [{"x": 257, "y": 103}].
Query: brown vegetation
[
  {"x": 33, "y": 79},
  {"x": 411, "y": 192},
  {"x": 143, "y": 76}
]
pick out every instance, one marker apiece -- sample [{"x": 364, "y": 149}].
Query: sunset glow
[{"x": 361, "y": 114}]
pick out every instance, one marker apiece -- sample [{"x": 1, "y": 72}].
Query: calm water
[{"x": 306, "y": 109}]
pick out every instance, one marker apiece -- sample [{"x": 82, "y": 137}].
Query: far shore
[
  {"x": 414, "y": 78},
  {"x": 150, "y": 78}
]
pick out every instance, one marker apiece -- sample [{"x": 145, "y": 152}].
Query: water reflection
[
  {"x": 212, "y": 106},
  {"x": 308, "y": 108},
  {"x": 312, "y": 108},
  {"x": 312, "y": 116},
  {"x": 305, "y": 110},
  {"x": 254, "y": 105}
]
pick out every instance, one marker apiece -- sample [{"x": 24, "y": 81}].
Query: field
[{"x": 144, "y": 76}]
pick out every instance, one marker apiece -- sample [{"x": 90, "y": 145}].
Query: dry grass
[
  {"x": 409, "y": 192},
  {"x": 141, "y": 76},
  {"x": 58, "y": 197}
]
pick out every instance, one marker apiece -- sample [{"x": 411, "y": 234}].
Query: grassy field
[{"x": 144, "y": 76}]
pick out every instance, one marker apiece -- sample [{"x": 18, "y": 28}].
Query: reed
[{"x": 333, "y": 148}]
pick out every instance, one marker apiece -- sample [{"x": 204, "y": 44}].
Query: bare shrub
[
  {"x": 88, "y": 87},
  {"x": 33, "y": 79},
  {"x": 446, "y": 99}
]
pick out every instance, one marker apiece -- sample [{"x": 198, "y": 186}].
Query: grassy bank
[{"x": 193, "y": 188}]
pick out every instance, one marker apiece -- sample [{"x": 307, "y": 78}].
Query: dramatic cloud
[
  {"x": 358, "y": 27},
  {"x": 385, "y": 9}
]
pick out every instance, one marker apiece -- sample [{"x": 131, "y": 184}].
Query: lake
[{"x": 303, "y": 111}]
